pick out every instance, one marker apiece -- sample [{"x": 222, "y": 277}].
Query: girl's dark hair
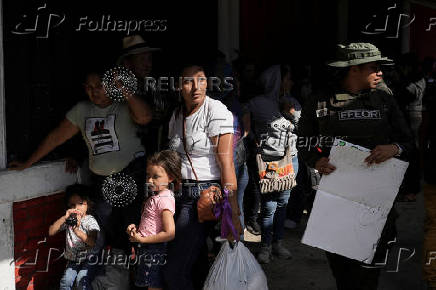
[
  {"x": 83, "y": 191},
  {"x": 171, "y": 162}
]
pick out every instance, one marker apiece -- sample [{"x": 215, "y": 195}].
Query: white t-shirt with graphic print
[
  {"x": 211, "y": 119},
  {"x": 110, "y": 133}
]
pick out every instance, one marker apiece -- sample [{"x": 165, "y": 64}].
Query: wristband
[{"x": 400, "y": 150}]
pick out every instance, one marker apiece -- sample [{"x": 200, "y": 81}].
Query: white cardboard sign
[{"x": 352, "y": 203}]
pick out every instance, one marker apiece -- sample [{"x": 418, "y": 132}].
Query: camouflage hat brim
[
  {"x": 357, "y": 53},
  {"x": 382, "y": 60}
]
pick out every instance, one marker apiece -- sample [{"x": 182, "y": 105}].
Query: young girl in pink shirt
[{"x": 157, "y": 223}]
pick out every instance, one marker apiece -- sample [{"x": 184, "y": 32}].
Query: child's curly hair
[{"x": 171, "y": 162}]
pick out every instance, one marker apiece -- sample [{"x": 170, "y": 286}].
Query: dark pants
[
  {"x": 430, "y": 161},
  {"x": 350, "y": 275},
  {"x": 114, "y": 220},
  {"x": 412, "y": 178},
  {"x": 252, "y": 192},
  {"x": 354, "y": 275},
  {"x": 299, "y": 193},
  {"x": 187, "y": 265},
  {"x": 150, "y": 260}
]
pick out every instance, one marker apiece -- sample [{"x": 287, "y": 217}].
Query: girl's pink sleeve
[{"x": 167, "y": 203}]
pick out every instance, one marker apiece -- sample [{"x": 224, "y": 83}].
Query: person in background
[
  {"x": 291, "y": 109},
  {"x": 428, "y": 158},
  {"x": 245, "y": 73},
  {"x": 409, "y": 92},
  {"x": 230, "y": 96},
  {"x": 137, "y": 56},
  {"x": 241, "y": 128},
  {"x": 266, "y": 111}
]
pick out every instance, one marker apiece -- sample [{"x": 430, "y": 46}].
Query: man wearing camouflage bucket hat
[
  {"x": 358, "y": 53},
  {"x": 353, "y": 106}
]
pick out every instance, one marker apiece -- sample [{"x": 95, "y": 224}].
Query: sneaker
[
  {"x": 290, "y": 224},
  {"x": 279, "y": 250},
  {"x": 264, "y": 256},
  {"x": 253, "y": 228}
]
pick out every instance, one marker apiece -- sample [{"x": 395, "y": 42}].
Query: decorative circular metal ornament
[
  {"x": 118, "y": 80},
  {"x": 119, "y": 189}
]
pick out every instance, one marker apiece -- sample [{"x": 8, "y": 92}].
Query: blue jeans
[
  {"x": 242, "y": 178},
  {"x": 83, "y": 272},
  {"x": 188, "y": 245},
  {"x": 273, "y": 212}
]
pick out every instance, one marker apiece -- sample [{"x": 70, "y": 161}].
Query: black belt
[{"x": 191, "y": 188}]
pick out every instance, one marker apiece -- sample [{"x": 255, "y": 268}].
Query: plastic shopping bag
[{"x": 235, "y": 269}]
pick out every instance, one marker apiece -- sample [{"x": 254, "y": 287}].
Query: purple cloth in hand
[{"x": 224, "y": 210}]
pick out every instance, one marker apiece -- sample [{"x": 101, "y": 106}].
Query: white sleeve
[
  {"x": 220, "y": 120},
  {"x": 91, "y": 224},
  {"x": 74, "y": 114}
]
